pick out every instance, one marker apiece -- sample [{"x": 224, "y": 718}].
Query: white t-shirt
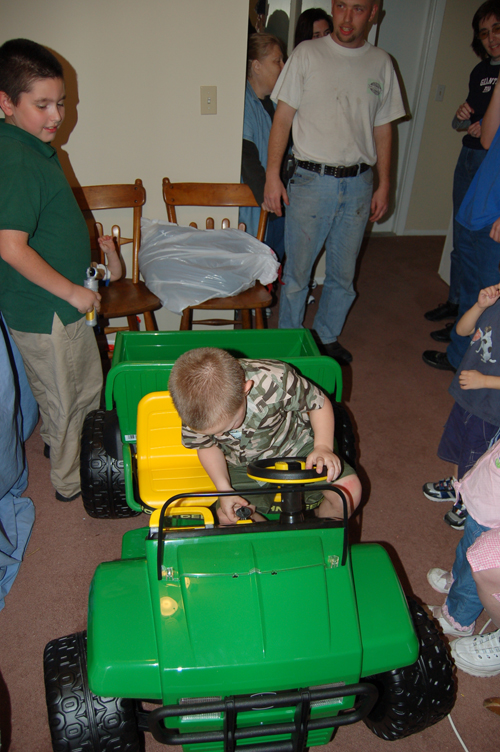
[{"x": 340, "y": 94}]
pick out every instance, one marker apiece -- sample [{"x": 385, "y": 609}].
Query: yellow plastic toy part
[
  {"x": 176, "y": 511},
  {"x": 164, "y": 466}
]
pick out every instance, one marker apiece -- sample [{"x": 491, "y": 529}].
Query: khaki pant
[{"x": 65, "y": 375}]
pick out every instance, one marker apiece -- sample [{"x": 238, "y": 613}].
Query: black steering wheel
[{"x": 284, "y": 470}]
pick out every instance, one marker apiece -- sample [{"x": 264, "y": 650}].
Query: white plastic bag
[{"x": 185, "y": 266}]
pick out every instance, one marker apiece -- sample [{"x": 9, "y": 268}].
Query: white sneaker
[
  {"x": 440, "y": 580},
  {"x": 480, "y": 655},
  {"x": 441, "y": 490},
  {"x": 447, "y": 628}
]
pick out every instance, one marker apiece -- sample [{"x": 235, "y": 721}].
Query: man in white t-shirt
[{"x": 339, "y": 94}]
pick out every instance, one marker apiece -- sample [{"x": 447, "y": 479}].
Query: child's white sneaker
[
  {"x": 449, "y": 629},
  {"x": 440, "y": 580},
  {"x": 441, "y": 490},
  {"x": 479, "y": 656}
]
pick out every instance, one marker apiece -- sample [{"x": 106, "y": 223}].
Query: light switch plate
[{"x": 208, "y": 96}]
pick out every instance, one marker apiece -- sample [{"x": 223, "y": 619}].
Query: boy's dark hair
[
  {"x": 206, "y": 385},
  {"x": 305, "y": 24},
  {"x": 489, "y": 8},
  {"x": 22, "y": 62}
]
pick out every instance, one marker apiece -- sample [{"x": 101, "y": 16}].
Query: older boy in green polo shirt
[{"x": 44, "y": 255}]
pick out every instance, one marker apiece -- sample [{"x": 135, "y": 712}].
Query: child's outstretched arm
[
  {"x": 323, "y": 456},
  {"x": 14, "y": 250},
  {"x": 486, "y": 298},
  {"x": 215, "y": 464},
  {"x": 115, "y": 265},
  {"x": 477, "y": 380}
]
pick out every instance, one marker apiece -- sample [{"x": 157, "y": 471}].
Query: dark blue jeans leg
[{"x": 467, "y": 166}]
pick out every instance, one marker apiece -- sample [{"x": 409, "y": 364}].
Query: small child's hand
[
  {"x": 227, "y": 509},
  {"x": 323, "y": 457},
  {"x": 107, "y": 244},
  {"x": 85, "y": 300},
  {"x": 471, "y": 380},
  {"x": 489, "y": 295},
  {"x": 114, "y": 263}
]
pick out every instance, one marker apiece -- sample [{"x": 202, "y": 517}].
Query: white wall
[{"x": 133, "y": 108}]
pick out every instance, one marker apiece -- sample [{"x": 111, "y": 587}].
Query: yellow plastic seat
[{"x": 164, "y": 466}]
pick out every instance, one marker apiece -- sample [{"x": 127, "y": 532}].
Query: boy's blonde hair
[{"x": 206, "y": 385}]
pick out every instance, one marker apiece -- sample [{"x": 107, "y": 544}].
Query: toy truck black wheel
[
  {"x": 102, "y": 475},
  {"x": 413, "y": 698},
  {"x": 78, "y": 719}
]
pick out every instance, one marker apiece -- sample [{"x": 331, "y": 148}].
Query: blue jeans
[
  {"x": 468, "y": 163},
  {"x": 480, "y": 257},
  {"x": 465, "y": 439},
  {"x": 463, "y": 601},
  {"x": 330, "y": 211}
]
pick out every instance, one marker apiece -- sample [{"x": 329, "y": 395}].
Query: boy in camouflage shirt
[{"x": 237, "y": 411}]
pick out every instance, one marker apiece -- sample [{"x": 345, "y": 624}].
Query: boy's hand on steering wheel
[{"x": 324, "y": 459}]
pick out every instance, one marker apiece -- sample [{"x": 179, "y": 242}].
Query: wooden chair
[
  {"x": 124, "y": 297},
  {"x": 220, "y": 194}
]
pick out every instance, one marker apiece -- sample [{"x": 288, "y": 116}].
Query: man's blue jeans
[
  {"x": 330, "y": 211},
  {"x": 480, "y": 257},
  {"x": 468, "y": 164},
  {"x": 463, "y": 601}
]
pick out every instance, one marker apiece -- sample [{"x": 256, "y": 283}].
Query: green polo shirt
[{"x": 36, "y": 198}]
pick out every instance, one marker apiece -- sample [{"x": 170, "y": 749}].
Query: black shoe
[
  {"x": 46, "y": 451},
  {"x": 60, "y": 497},
  {"x": 443, "y": 311},
  {"x": 438, "y": 359},
  {"x": 443, "y": 335},
  {"x": 337, "y": 352}
]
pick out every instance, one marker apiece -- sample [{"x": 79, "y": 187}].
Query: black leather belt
[{"x": 336, "y": 172}]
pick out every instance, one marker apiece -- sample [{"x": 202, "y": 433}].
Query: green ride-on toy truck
[{"x": 264, "y": 636}]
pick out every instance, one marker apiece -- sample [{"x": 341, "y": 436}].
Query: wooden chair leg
[
  {"x": 150, "y": 321},
  {"x": 259, "y": 319},
  {"x": 186, "y": 320},
  {"x": 132, "y": 323},
  {"x": 246, "y": 318}
]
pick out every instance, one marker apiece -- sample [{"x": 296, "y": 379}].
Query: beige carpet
[{"x": 399, "y": 406}]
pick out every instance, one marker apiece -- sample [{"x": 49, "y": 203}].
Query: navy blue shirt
[{"x": 483, "y": 355}]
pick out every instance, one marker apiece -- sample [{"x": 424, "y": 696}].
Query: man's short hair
[
  {"x": 206, "y": 385},
  {"x": 22, "y": 62},
  {"x": 489, "y": 8}
]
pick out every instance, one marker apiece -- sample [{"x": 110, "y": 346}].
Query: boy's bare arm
[
  {"x": 14, "y": 250},
  {"x": 487, "y": 297},
  {"x": 323, "y": 426},
  {"x": 115, "y": 265},
  {"x": 477, "y": 380},
  {"x": 215, "y": 464}
]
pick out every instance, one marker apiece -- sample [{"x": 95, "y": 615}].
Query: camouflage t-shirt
[{"x": 276, "y": 421}]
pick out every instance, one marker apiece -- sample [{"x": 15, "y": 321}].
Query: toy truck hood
[
  {"x": 238, "y": 614},
  {"x": 261, "y": 611}
]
